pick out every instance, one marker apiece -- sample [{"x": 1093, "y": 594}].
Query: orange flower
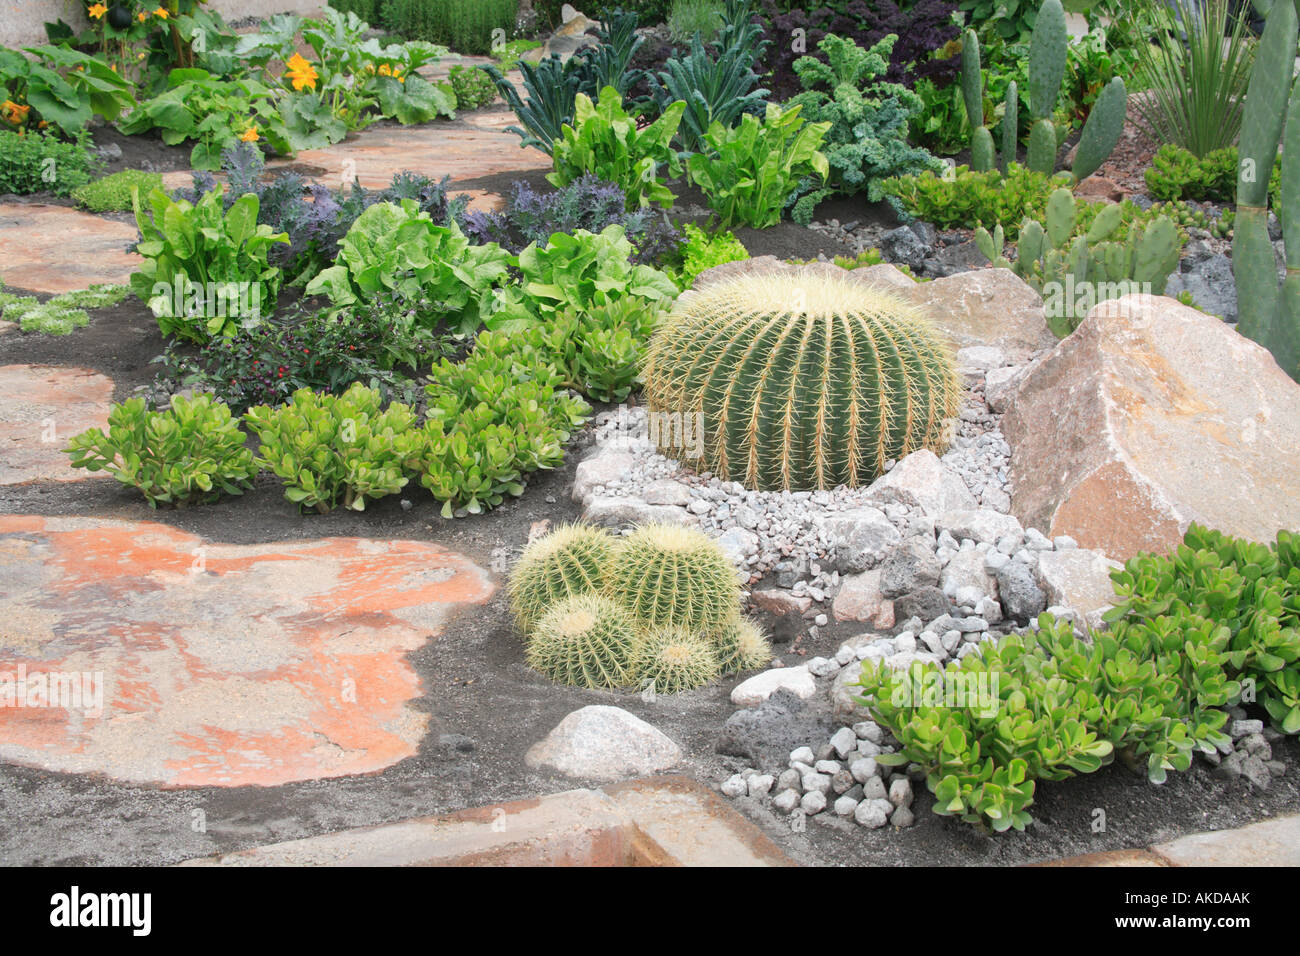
[
  {"x": 161, "y": 13},
  {"x": 385, "y": 70},
  {"x": 142, "y": 16},
  {"x": 14, "y": 113},
  {"x": 97, "y": 11},
  {"x": 250, "y": 135},
  {"x": 301, "y": 73}
]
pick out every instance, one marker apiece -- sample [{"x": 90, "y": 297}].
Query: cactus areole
[{"x": 798, "y": 380}]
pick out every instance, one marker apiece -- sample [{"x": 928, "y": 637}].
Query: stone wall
[{"x": 22, "y": 22}]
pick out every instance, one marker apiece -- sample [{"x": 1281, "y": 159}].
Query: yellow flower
[
  {"x": 97, "y": 11},
  {"x": 161, "y": 13},
  {"x": 142, "y": 16},
  {"x": 250, "y": 135},
  {"x": 301, "y": 73},
  {"x": 385, "y": 70},
  {"x": 401, "y": 79}
]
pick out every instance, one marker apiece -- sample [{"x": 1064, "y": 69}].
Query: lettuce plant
[
  {"x": 333, "y": 450},
  {"x": 704, "y": 251},
  {"x": 604, "y": 140},
  {"x": 397, "y": 249},
  {"x": 747, "y": 173},
  {"x": 190, "y": 453},
  {"x": 581, "y": 271}
]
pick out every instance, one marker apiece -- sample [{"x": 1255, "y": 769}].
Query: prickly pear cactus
[{"x": 1269, "y": 312}]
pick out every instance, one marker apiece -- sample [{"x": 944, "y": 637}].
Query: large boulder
[
  {"x": 1151, "y": 416},
  {"x": 986, "y": 307},
  {"x": 1080, "y": 580}
]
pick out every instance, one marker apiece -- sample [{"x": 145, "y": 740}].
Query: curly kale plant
[{"x": 868, "y": 117}]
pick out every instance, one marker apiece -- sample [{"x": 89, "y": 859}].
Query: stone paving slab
[
  {"x": 41, "y": 407},
  {"x": 55, "y": 249},
  {"x": 658, "y": 821},
  {"x": 217, "y": 665},
  {"x": 435, "y": 150},
  {"x": 1271, "y": 843}
]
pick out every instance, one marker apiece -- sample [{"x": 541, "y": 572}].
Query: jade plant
[
  {"x": 1048, "y": 52},
  {"x": 799, "y": 380},
  {"x": 333, "y": 450},
  {"x": 190, "y": 453},
  {"x": 1270, "y": 311}
]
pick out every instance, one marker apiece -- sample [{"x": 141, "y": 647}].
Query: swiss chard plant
[
  {"x": 604, "y": 141},
  {"x": 748, "y": 172},
  {"x": 190, "y": 453},
  {"x": 205, "y": 270}
]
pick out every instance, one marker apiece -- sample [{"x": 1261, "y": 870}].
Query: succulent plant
[
  {"x": 1270, "y": 313},
  {"x": 797, "y": 380},
  {"x": 670, "y": 576},
  {"x": 1048, "y": 50},
  {"x": 741, "y": 646},
  {"x": 672, "y": 659},
  {"x": 586, "y": 640},
  {"x": 573, "y": 559}
]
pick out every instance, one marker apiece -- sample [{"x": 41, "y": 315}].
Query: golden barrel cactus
[{"x": 798, "y": 380}]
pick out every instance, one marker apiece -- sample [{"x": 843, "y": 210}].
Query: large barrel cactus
[{"x": 797, "y": 380}]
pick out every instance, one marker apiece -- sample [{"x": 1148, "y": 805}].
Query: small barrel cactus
[
  {"x": 586, "y": 641},
  {"x": 673, "y": 659},
  {"x": 670, "y": 576},
  {"x": 741, "y": 646},
  {"x": 573, "y": 559},
  {"x": 797, "y": 380}
]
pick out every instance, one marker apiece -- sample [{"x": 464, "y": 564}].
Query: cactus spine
[
  {"x": 573, "y": 559},
  {"x": 673, "y": 659},
  {"x": 1269, "y": 312},
  {"x": 800, "y": 380},
  {"x": 586, "y": 641},
  {"x": 741, "y": 646},
  {"x": 670, "y": 576},
  {"x": 1048, "y": 51}
]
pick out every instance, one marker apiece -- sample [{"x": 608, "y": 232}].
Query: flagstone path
[
  {"x": 215, "y": 664},
  {"x": 41, "y": 407}
]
